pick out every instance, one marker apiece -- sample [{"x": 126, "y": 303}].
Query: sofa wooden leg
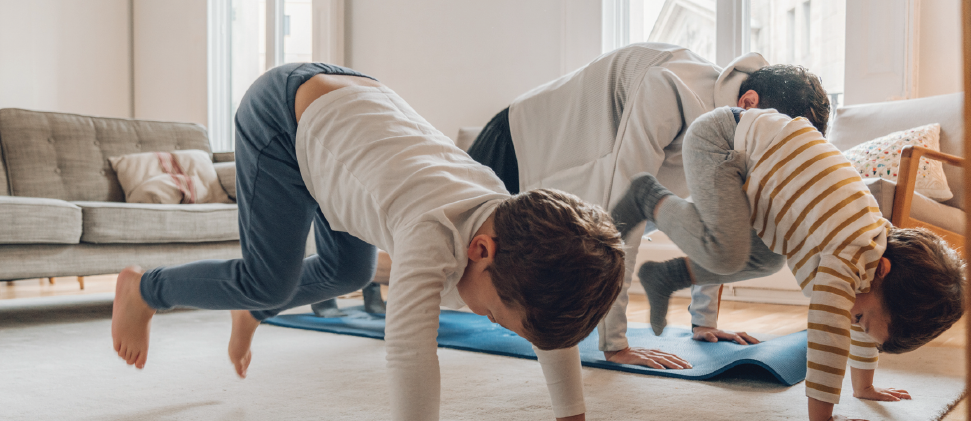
[
  {"x": 51, "y": 280},
  {"x": 81, "y": 281}
]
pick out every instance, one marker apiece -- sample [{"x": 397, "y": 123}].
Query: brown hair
[
  {"x": 560, "y": 261},
  {"x": 923, "y": 291},
  {"x": 791, "y": 90}
]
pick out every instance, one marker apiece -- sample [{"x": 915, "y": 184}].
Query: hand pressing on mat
[
  {"x": 863, "y": 387},
  {"x": 880, "y": 394},
  {"x": 710, "y": 334},
  {"x": 647, "y": 357}
]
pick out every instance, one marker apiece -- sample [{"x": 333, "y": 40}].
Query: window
[
  {"x": 689, "y": 24},
  {"x": 791, "y": 36},
  {"x": 814, "y": 36},
  {"x": 803, "y": 32},
  {"x": 298, "y": 31},
  {"x": 261, "y": 34},
  {"x": 806, "y": 27}
]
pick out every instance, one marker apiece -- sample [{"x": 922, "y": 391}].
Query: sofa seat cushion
[
  {"x": 114, "y": 222},
  {"x": 922, "y": 208},
  {"x": 32, "y": 220}
]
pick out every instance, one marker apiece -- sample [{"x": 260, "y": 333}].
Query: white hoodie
[{"x": 625, "y": 113}]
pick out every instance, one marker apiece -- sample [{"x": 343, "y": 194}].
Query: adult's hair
[
  {"x": 560, "y": 261},
  {"x": 923, "y": 292},
  {"x": 791, "y": 90}
]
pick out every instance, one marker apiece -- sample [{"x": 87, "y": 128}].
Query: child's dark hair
[
  {"x": 924, "y": 290},
  {"x": 560, "y": 261},
  {"x": 791, "y": 90}
]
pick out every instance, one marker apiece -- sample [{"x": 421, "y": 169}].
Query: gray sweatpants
[{"x": 714, "y": 230}]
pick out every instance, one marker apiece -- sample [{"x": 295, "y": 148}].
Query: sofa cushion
[
  {"x": 29, "y": 220},
  {"x": 223, "y": 156},
  {"x": 856, "y": 124},
  {"x": 467, "y": 136},
  {"x": 4, "y": 189},
  {"x": 922, "y": 207},
  {"x": 65, "y": 156},
  {"x": 169, "y": 177},
  {"x": 880, "y": 158},
  {"x": 226, "y": 171},
  {"x": 109, "y": 222}
]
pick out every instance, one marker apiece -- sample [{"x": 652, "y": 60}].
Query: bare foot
[
  {"x": 131, "y": 318},
  {"x": 244, "y": 326}
]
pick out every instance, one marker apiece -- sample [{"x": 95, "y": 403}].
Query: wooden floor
[{"x": 750, "y": 317}]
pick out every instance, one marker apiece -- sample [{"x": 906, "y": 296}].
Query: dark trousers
[{"x": 275, "y": 215}]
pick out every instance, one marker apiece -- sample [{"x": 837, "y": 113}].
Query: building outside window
[
  {"x": 811, "y": 33},
  {"x": 807, "y": 33}
]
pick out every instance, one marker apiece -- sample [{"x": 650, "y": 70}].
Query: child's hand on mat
[
  {"x": 880, "y": 394},
  {"x": 710, "y": 334},
  {"x": 647, "y": 357}
]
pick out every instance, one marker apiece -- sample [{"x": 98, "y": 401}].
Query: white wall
[
  {"x": 69, "y": 56},
  {"x": 879, "y": 65},
  {"x": 170, "y": 60},
  {"x": 940, "y": 55},
  {"x": 458, "y": 63}
]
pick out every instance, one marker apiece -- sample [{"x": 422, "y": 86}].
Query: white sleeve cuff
[{"x": 561, "y": 367}]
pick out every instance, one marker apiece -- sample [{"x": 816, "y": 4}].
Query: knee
[
  {"x": 358, "y": 274},
  {"x": 272, "y": 297},
  {"x": 768, "y": 264},
  {"x": 724, "y": 262}
]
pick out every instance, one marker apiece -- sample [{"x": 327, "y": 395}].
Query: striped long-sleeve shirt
[{"x": 809, "y": 204}]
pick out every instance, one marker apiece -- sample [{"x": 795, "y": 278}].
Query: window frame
[
  {"x": 894, "y": 78},
  {"x": 327, "y": 46}
]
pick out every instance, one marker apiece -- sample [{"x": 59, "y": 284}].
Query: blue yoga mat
[{"x": 783, "y": 357}]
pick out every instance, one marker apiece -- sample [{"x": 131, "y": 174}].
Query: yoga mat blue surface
[{"x": 783, "y": 357}]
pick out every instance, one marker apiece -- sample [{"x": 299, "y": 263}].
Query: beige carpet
[{"x": 56, "y": 363}]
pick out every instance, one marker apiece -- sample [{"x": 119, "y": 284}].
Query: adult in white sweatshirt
[{"x": 590, "y": 131}]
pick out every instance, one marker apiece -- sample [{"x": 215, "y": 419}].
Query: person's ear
[
  {"x": 883, "y": 268},
  {"x": 482, "y": 248},
  {"x": 750, "y": 99}
]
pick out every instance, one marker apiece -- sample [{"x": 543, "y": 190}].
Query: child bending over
[
  {"x": 369, "y": 171},
  {"x": 872, "y": 286}
]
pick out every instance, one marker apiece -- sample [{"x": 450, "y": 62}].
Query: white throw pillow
[
  {"x": 169, "y": 178},
  {"x": 880, "y": 157}
]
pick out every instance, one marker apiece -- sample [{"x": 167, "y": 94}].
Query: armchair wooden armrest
[{"x": 904, "y": 193}]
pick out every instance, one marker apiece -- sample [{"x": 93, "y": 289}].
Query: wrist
[
  {"x": 610, "y": 354},
  {"x": 819, "y": 410}
]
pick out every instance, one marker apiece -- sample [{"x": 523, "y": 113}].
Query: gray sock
[
  {"x": 327, "y": 308},
  {"x": 660, "y": 280},
  {"x": 638, "y": 203},
  {"x": 373, "y": 303}
]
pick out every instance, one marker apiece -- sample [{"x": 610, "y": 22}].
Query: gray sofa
[
  {"x": 856, "y": 124},
  {"x": 63, "y": 212}
]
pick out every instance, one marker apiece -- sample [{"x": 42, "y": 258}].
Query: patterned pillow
[
  {"x": 880, "y": 157},
  {"x": 169, "y": 177}
]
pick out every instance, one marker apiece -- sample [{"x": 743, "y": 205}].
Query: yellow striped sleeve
[
  {"x": 863, "y": 350},
  {"x": 830, "y": 333}
]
